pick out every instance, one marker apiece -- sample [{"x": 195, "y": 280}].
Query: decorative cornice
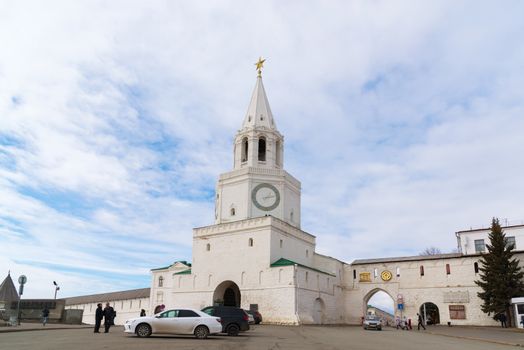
[
  {"x": 252, "y": 224},
  {"x": 260, "y": 171}
]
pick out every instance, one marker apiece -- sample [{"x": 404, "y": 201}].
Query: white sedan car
[{"x": 177, "y": 321}]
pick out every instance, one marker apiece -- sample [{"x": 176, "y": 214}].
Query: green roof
[
  {"x": 287, "y": 262},
  {"x": 167, "y": 267},
  {"x": 185, "y": 272}
]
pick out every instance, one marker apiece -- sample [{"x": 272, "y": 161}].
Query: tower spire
[{"x": 259, "y": 113}]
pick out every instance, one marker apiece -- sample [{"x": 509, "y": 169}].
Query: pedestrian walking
[
  {"x": 99, "y": 315},
  {"x": 397, "y": 322},
  {"x": 142, "y": 313},
  {"x": 45, "y": 315},
  {"x": 502, "y": 319},
  {"x": 420, "y": 322},
  {"x": 109, "y": 317}
]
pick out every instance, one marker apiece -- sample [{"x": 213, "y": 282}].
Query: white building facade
[
  {"x": 474, "y": 241},
  {"x": 256, "y": 256}
]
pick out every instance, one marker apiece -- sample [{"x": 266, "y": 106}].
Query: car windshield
[
  {"x": 371, "y": 318},
  {"x": 208, "y": 310}
]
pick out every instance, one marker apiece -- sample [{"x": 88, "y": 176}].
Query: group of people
[
  {"x": 405, "y": 323},
  {"x": 108, "y": 314}
]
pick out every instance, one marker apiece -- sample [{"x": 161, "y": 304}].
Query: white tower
[{"x": 258, "y": 185}]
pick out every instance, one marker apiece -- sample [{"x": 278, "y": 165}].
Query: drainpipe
[
  {"x": 295, "y": 278},
  {"x": 459, "y": 243}
]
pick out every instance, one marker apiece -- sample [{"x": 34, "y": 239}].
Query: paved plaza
[{"x": 272, "y": 337}]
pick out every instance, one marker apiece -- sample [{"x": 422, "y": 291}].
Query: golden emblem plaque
[{"x": 386, "y": 275}]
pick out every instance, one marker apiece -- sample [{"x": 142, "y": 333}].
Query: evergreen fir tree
[{"x": 500, "y": 275}]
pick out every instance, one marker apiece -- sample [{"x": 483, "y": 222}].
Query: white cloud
[{"x": 116, "y": 119}]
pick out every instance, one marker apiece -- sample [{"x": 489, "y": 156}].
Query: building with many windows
[{"x": 474, "y": 241}]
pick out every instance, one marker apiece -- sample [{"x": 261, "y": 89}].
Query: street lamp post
[
  {"x": 57, "y": 288},
  {"x": 22, "y": 280}
]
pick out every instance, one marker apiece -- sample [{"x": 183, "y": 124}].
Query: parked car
[
  {"x": 256, "y": 315},
  {"x": 251, "y": 318},
  {"x": 372, "y": 322},
  {"x": 176, "y": 321},
  {"x": 233, "y": 319}
]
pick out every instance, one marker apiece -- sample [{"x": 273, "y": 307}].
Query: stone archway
[
  {"x": 373, "y": 292},
  {"x": 430, "y": 313},
  {"x": 227, "y": 293},
  {"x": 319, "y": 310}
]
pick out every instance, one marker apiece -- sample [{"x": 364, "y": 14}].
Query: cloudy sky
[{"x": 403, "y": 120}]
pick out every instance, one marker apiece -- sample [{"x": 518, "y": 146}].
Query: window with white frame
[
  {"x": 510, "y": 242},
  {"x": 480, "y": 246}
]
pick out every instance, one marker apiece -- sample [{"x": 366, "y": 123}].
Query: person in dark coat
[
  {"x": 142, "y": 313},
  {"x": 45, "y": 315},
  {"x": 502, "y": 319},
  {"x": 109, "y": 317},
  {"x": 99, "y": 315},
  {"x": 420, "y": 322}
]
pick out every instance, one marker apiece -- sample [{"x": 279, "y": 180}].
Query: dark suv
[{"x": 233, "y": 319}]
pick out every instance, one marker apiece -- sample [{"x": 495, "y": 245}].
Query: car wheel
[
  {"x": 232, "y": 329},
  {"x": 201, "y": 332},
  {"x": 143, "y": 330}
]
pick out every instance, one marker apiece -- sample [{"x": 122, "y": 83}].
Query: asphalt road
[{"x": 260, "y": 337}]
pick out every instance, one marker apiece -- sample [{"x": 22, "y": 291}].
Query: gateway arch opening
[
  {"x": 227, "y": 293},
  {"x": 430, "y": 313},
  {"x": 380, "y": 304}
]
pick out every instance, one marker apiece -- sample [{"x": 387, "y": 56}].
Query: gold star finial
[{"x": 260, "y": 65}]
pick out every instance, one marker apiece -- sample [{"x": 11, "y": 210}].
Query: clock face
[
  {"x": 265, "y": 197},
  {"x": 386, "y": 275}
]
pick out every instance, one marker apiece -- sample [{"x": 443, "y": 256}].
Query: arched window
[
  {"x": 354, "y": 274},
  {"x": 262, "y": 149},
  {"x": 250, "y": 242},
  {"x": 278, "y": 153},
  {"x": 160, "y": 281},
  {"x": 232, "y": 211},
  {"x": 476, "y": 267},
  {"x": 245, "y": 147},
  {"x": 307, "y": 275},
  {"x": 291, "y": 215},
  {"x": 208, "y": 247},
  {"x": 421, "y": 270},
  {"x": 307, "y": 253},
  {"x": 448, "y": 269}
]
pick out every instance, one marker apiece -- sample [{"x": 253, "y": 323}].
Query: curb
[
  {"x": 477, "y": 339},
  {"x": 12, "y": 330}
]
